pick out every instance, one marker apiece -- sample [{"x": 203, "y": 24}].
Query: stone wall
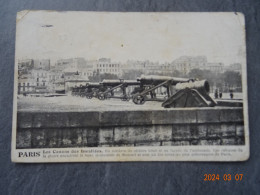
[{"x": 200, "y": 126}]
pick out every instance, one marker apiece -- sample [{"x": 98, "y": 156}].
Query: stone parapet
[{"x": 189, "y": 126}]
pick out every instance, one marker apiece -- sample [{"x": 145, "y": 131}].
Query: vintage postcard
[{"x": 112, "y": 86}]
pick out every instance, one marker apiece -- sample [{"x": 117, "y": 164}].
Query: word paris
[{"x": 101, "y": 86}]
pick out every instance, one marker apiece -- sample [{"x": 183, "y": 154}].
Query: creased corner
[{"x": 20, "y": 15}]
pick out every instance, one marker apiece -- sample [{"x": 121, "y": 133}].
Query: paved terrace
[{"x": 78, "y": 104}]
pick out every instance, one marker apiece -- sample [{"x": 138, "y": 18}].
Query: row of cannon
[{"x": 172, "y": 91}]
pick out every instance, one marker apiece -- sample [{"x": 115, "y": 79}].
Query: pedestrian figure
[
  {"x": 216, "y": 94},
  {"x": 231, "y": 94},
  {"x": 220, "y": 94}
]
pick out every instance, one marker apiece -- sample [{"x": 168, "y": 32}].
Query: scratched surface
[{"x": 126, "y": 178}]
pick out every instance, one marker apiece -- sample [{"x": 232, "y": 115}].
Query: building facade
[
  {"x": 185, "y": 64},
  {"x": 105, "y": 65}
]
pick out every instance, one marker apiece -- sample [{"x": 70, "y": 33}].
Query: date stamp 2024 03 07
[{"x": 224, "y": 177}]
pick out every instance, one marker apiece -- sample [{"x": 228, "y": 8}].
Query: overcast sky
[{"x": 159, "y": 37}]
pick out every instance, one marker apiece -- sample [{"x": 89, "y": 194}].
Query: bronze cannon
[
  {"x": 190, "y": 94},
  {"x": 180, "y": 92},
  {"x": 150, "y": 83}
]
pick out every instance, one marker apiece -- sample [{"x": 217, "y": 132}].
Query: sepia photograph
[{"x": 114, "y": 86}]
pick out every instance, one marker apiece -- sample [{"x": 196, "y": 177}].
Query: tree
[
  {"x": 101, "y": 77},
  {"x": 169, "y": 73},
  {"x": 211, "y": 77},
  {"x": 197, "y": 74},
  {"x": 232, "y": 80},
  {"x": 132, "y": 74}
]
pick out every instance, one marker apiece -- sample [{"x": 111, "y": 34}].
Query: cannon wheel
[
  {"x": 101, "y": 96},
  {"x": 139, "y": 99},
  {"x": 89, "y": 96}
]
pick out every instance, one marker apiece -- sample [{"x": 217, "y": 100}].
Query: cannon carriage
[
  {"x": 116, "y": 89},
  {"x": 92, "y": 90},
  {"x": 89, "y": 90}
]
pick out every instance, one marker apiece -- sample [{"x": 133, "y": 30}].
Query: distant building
[
  {"x": 25, "y": 66},
  {"x": 26, "y": 85},
  {"x": 151, "y": 67},
  {"x": 215, "y": 67},
  {"x": 33, "y": 76},
  {"x": 236, "y": 67},
  {"x": 85, "y": 68},
  {"x": 133, "y": 65},
  {"x": 185, "y": 64},
  {"x": 42, "y": 64},
  {"x": 40, "y": 77},
  {"x": 63, "y": 64},
  {"x": 88, "y": 69},
  {"x": 69, "y": 72},
  {"x": 104, "y": 65},
  {"x": 146, "y": 67}
]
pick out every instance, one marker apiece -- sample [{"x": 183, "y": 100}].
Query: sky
[{"x": 158, "y": 37}]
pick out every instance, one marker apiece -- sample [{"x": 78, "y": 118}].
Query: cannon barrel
[
  {"x": 119, "y": 81},
  {"x": 93, "y": 85},
  {"x": 201, "y": 86},
  {"x": 155, "y": 79}
]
